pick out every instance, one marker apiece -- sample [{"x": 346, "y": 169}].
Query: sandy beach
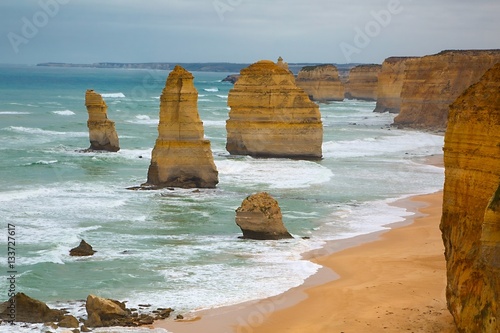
[{"x": 392, "y": 281}]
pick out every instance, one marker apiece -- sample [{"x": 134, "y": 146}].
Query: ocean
[{"x": 179, "y": 248}]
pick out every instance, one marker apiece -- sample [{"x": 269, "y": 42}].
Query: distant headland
[{"x": 194, "y": 67}]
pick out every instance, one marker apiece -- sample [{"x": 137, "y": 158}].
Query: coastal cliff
[
  {"x": 321, "y": 83},
  {"x": 433, "y": 82},
  {"x": 362, "y": 82},
  {"x": 390, "y": 84},
  {"x": 271, "y": 117},
  {"x": 102, "y": 132},
  {"x": 181, "y": 156},
  {"x": 471, "y": 206}
]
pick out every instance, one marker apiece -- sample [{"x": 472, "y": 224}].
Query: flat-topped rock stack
[
  {"x": 390, "y": 84},
  {"x": 362, "y": 83},
  {"x": 321, "y": 83},
  {"x": 271, "y": 117},
  {"x": 102, "y": 132},
  {"x": 181, "y": 156}
]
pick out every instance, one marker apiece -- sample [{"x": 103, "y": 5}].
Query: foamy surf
[
  {"x": 64, "y": 113},
  {"x": 113, "y": 95}
]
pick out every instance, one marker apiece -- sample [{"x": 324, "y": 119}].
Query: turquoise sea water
[{"x": 178, "y": 248}]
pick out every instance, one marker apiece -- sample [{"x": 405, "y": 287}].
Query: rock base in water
[
  {"x": 102, "y": 132},
  {"x": 259, "y": 217},
  {"x": 82, "y": 250},
  {"x": 181, "y": 156}
]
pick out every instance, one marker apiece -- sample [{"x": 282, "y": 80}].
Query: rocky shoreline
[{"x": 101, "y": 312}]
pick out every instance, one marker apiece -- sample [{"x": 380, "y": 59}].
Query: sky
[{"x": 241, "y": 31}]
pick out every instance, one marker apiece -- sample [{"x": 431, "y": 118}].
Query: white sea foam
[
  {"x": 402, "y": 142},
  {"x": 64, "y": 113},
  {"x": 39, "y": 131},
  {"x": 43, "y": 162},
  {"x": 13, "y": 112},
  {"x": 222, "y": 96},
  {"x": 113, "y": 95},
  {"x": 211, "y": 89},
  {"x": 275, "y": 173},
  {"x": 214, "y": 123},
  {"x": 143, "y": 119}
]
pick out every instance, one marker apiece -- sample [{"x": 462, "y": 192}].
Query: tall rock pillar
[
  {"x": 102, "y": 132},
  {"x": 181, "y": 156}
]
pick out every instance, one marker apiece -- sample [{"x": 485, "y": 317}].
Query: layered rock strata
[
  {"x": 102, "y": 132},
  {"x": 271, "y": 117},
  {"x": 259, "y": 217},
  {"x": 471, "y": 206},
  {"x": 321, "y": 83},
  {"x": 390, "y": 84},
  {"x": 362, "y": 83},
  {"x": 433, "y": 82},
  {"x": 181, "y": 156}
]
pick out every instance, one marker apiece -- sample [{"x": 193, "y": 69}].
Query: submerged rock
[
  {"x": 271, "y": 117},
  {"x": 259, "y": 217},
  {"x": 82, "y": 250},
  {"x": 22, "y": 308},
  {"x": 102, "y": 132},
  {"x": 181, "y": 156}
]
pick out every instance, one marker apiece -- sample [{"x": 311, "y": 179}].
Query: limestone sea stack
[
  {"x": 362, "y": 83},
  {"x": 433, "y": 82},
  {"x": 390, "y": 84},
  {"x": 181, "y": 156},
  {"x": 271, "y": 117},
  {"x": 321, "y": 83},
  {"x": 471, "y": 206},
  {"x": 259, "y": 217},
  {"x": 102, "y": 132}
]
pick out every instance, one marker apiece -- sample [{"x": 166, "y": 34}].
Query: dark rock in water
[
  {"x": 82, "y": 250},
  {"x": 22, "y": 308},
  {"x": 231, "y": 78},
  {"x": 259, "y": 217},
  {"x": 69, "y": 322}
]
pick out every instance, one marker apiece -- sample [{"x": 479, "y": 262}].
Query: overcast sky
[{"x": 325, "y": 31}]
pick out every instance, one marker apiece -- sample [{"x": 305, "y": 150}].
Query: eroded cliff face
[
  {"x": 362, "y": 83},
  {"x": 390, "y": 84},
  {"x": 471, "y": 206},
  {"x": 102, "y": 132},
  {"x": 433, "y": 82},
  {"x": 271, "y": 117},
  {"x": 321, "y": 83},
  {"x": 181, "y": 156}
]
